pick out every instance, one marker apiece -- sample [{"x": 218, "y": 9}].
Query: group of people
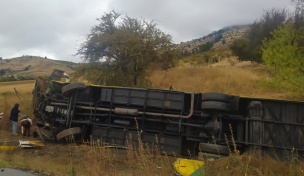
[{"x": 25, "y": 121}]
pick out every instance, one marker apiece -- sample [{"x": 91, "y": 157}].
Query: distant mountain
[
  {"x": 220, "y": 39},
  {"x": 34, "y": 66}
]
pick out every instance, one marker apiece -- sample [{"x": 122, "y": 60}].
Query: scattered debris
[
  {"x": 30, "y": 144},
  {"x": 18, "y": 94}
]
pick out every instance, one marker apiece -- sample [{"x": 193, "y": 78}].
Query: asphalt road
[{"x": 13, "y": 172}]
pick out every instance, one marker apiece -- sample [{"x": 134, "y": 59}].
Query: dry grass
[
  {"x": 236, "y": 79},
  {"x": 253, "y": 163},
  {"x": 8, "y": 99},
  {"x": 95, "y": 159},
  {"x": 21, "y": 86}
]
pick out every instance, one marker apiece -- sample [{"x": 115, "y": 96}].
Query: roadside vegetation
[
  {"x": 276, "y": 40},
  {"x": 18, "y": 78}
]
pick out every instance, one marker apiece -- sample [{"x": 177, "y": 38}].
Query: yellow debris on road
[{"x": 6, "y": 148}]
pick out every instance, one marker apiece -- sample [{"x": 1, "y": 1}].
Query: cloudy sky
[{"x": 55, "y": 28}]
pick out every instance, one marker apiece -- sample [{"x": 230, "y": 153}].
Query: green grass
[{"x": 3, "y": 163}]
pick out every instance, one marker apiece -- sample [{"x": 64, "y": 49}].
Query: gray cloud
[{"x": 55, "y": 28}]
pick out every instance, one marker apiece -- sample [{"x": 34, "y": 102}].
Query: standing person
[
  {"x": 14, "y": 117},
  {"x": 26, "y": 123}
]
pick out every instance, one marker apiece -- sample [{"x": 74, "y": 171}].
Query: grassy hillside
[
  {"x": 223, "y": 73},
  {"x": 34, "y": 66}
]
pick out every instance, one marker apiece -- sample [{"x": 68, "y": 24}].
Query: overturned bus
[{"x": 180, "y": 122}]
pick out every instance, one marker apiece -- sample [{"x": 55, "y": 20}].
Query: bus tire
[
  {"x": 68, "y": 133},
  {"x": 68, "y": 89},
  {"x": 213, "y": 96},
  {"x": 214, "y": 105},
  {"x": 214, "y": 148}
]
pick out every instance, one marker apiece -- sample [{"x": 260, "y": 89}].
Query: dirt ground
[{"x": 8, "y": 139}]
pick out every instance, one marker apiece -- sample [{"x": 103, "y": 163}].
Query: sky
[{"x": 56, "y": 28}]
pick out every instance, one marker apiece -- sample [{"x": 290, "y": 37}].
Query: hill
[
  {"x": 221, "y": 39},
  {"x": 33, "y": 66}
]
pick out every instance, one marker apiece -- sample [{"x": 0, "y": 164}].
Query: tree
[
  {"x": 26, "y": 68},
  {"x": 285, "y": 57},
  {"x": 223, "y": 41},
  {"x": 2, "y": 72},
  {"x": 0, "y": 58},
  {"x": 241, "y": 48},
  {"x": 299, "y": 6},
  {"x": 120, "y": 53},
  {"x": 218, "y": 38},
  {"x": 270, "y": 20},
  {"x": 205, "y": 47}
]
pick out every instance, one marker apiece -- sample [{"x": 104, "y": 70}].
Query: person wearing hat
[
  {"x": 14, "y": 117},
  {"x": 26, "y": 124}
]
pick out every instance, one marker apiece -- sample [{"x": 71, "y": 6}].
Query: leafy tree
[
  {"x": 271, "y": 19},
  {"x": 285, "y": 57},
  {"x": 223, "y": 42},
  {"x": 218, "y": 38},
  {"x": 299, "y": 6},
  {"x": 121, "y": 53},
  {"x": 244, "y": 50}
]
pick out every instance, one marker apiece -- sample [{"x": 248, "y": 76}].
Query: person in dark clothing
[{"x": 14, "y": 117}]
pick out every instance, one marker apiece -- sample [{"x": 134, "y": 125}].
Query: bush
[
  {"x": 2, "y": 72},
  {"x": 285, "y": 57},
  {"x": 205, "y": 47},
  {"x": 218, "y": 38},
  {"x": 242, "y": 49}
]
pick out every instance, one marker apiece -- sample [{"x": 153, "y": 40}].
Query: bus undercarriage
[{"x": 180, "y": 122}]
